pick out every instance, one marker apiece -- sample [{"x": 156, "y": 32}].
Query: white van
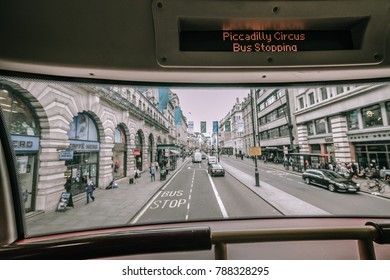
[
  {"x": 212, "y": 160},
  {"x": 197, "y": 157}
]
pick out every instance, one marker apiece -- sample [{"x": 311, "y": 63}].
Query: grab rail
[{"x": 365, "y": 235}]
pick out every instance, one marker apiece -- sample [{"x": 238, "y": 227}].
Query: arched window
[
  {"x": 17, "y": 114},
  {"x": 83, "y": 128}
]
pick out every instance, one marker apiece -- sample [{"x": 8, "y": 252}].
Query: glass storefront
[
  {"x": 25, "y": 139},
  {"x": 79, "y": 169},
  {"x": 138, "y": 151},
  {"x": 375, "y": 155},
  {"x": 25, "y": 165},
  {"x": 119, "y": 154},
  {"x": 84, "y": 162}
]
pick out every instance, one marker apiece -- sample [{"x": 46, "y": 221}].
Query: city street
[{"x": 189, "y": 193}]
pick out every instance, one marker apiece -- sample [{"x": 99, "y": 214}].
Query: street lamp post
[{"x": 257, "y": 180}]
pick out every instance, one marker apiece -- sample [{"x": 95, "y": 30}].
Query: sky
[{"x": 208, "y": 104}]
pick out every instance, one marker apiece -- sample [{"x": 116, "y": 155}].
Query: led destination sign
[{"x": 266, "y": 40}]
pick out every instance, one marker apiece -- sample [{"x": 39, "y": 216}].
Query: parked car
[
  {"x": 216, "y": 170},
  {"x": 330, "y": 180}
]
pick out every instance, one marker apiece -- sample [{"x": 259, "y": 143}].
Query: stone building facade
[{"x": 64, "y": 133}]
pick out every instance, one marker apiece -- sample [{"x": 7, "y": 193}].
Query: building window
[
  {"x": 352, "y": 120},
  {"x": 282, "y": 111},
  {"x": 311, "y": 98},
  {"x": 324, "y": 94},
  {"x": 388, "y": 111},
  {"x": 274, "y": 133},
  {"x": 17, "y": 114},
  {"x": 284, "y": 132},
  {"x": 280, "y": 94},
  {"x": 301, "y": 103},
  {"x": 320, "y": 126},
  {"x": 328, "y": 121},
  {"x": 372, "y": 116},
  {"x": 310, "y": 128},
  {"x": 264, "y": 135},
  {"x": 339, "y": 90},
  {"x": 82, "y": 127}
]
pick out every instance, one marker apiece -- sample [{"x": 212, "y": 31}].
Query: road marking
[
  {"x": 284, "y": 202},
  {"x": 142, "y": 212},
  {"x": 190, "y": 196},
  {"x": 139, "y": 215},
  {"x": 219, "y": 200}
]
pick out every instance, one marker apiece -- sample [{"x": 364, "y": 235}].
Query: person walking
[
  {"x": 153, "y": 173},
  {"x": 136, "y": 175},
  {"x": 89, "y": 189}
]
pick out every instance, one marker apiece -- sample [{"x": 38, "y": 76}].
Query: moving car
[
  {"x": 330, "y": 180},
  {"x": 84, "y": 84},
  {"x": 215, "y": 169}
]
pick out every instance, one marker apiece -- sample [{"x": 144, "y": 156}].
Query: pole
[
  {"x": 290, "y": 126},
  {"x": 257, "y": 181}
]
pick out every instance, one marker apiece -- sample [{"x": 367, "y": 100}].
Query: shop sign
[
  {"x": 255, "y": 151},
  {"x": 66, "y": 155},
  {"x": 66, "y": 201},
  {"x": 84, "y": 146},
  {"x": 25, "y": 143}
]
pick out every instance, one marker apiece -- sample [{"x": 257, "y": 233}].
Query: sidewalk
[
  {"x": 114, "y": 207},
  {"x": 280, "y": 167}
]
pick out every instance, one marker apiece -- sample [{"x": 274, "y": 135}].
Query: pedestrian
[
  {"x": 68, "y": 185},
  {"x": 136, "y": 175},
  {"x": 89, "y": 189},
  {"x": 152, "y": 173}
]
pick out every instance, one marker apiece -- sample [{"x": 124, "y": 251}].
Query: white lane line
[
  {"x": 219, "y": 200},
  {"x": 140, "y": 214},
  {"x": 284, "y": 202},
  {"x": 190, "y": 196}
]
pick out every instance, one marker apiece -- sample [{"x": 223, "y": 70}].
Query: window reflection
[{"x": 372, "y": 116}]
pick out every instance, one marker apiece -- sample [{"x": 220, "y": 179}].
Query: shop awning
[{"x": 310, "y": 154}]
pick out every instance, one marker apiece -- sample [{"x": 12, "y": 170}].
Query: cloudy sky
[{"x": 208, "y": 104}]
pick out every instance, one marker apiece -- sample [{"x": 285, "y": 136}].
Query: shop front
[
  {"x": 25, "y": 135},
  {"x": 138, "y": 159},
  {"x": 119, "y": 154},
  {"x": 167, "y": 155},
  {"x": 26, "y": 150},
  {"x": 303, "y": 161},
  {"x": 273, "y": 154},
  {"x": 376, "y": 155},
  {"x": 83, "y": 165},
  {"x": 139, "y": 144},
  {"x": 83, "y": 154}
]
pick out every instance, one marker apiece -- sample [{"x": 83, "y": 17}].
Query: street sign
[{"x": 255, "y": 151}]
